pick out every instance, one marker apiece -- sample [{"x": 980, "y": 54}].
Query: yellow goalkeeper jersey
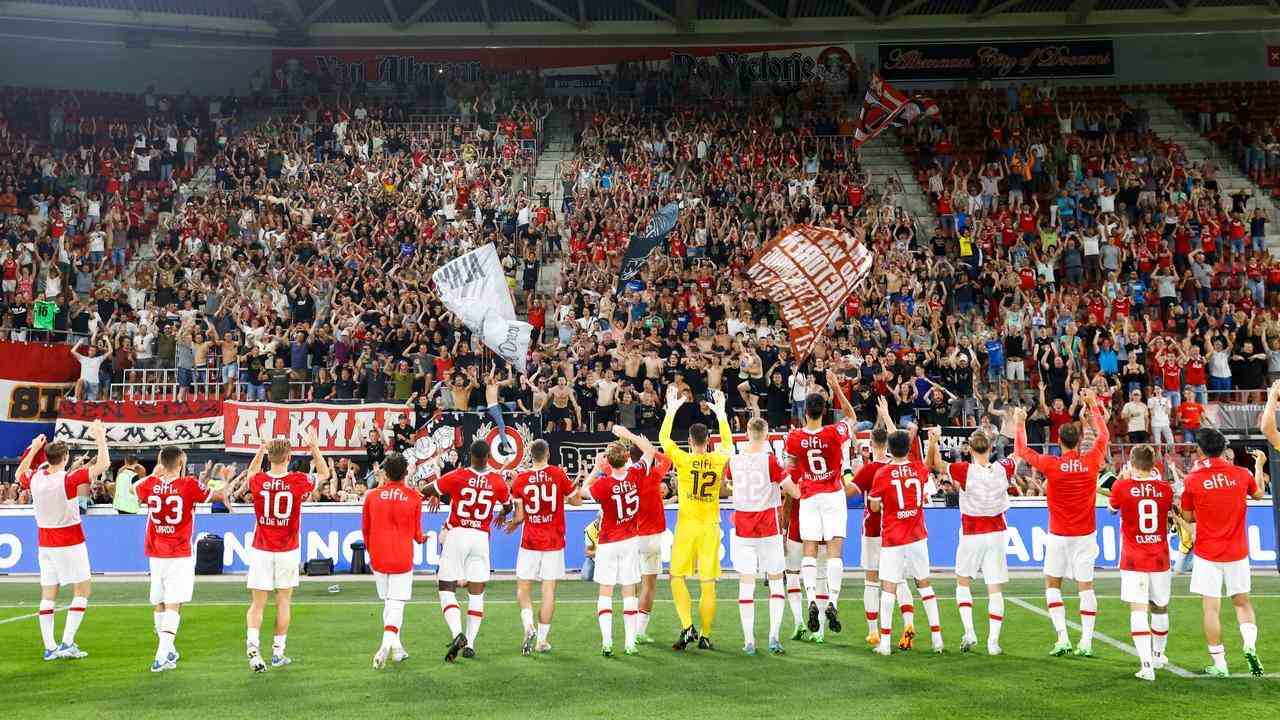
[{"x": 698, "y": 475}]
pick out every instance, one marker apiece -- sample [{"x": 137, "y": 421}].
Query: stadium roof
[{"x": 442, "y": 23}]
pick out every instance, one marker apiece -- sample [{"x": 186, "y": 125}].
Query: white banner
[
  {"x": 142, "y": 425},
  {"x": 474, "y": 288}
]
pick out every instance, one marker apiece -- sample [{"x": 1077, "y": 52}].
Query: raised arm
[
  {"x": 646, "y": 448},
  {"x": 103, "y": 461},
  {"x": 1268, "y": 422}
]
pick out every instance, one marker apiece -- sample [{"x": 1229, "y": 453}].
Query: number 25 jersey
[{"x": 474, "y": 498}]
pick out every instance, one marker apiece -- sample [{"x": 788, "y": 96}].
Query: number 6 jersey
[{"x": 171, "y": 505}]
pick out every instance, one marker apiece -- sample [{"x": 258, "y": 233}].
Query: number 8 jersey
[{"x": 277, "y": 509}]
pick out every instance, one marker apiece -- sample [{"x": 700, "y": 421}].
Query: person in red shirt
[
  {"x": 476, "y": 496},
  {"x": 1143, "y": 500},
  {"x": 871, "y": 540},
  {"x": 274, "y": 555},
  {"x": 984, "y": 498},
  {"x": 617, "y": 556},
  {"x": 898, "y": 493},
  {"x": 63, "y": 555},
  {"x": 540, "y": 494},
  {"x": 391, "y": 522},
  {"x": 651, "y": 523},
  {"x": 1072, "y": 485},
  {"x": 1190, "y": 415},
  {"x": 170, "y": 499}
]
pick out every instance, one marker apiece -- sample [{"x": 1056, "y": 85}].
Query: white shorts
[
  {"x": 63, "y": 565},
  {"x": 1070, "y": 557},
  {"x": 983, "y": 553},
  {"x": 900, "y": 562},
  {"x": 172, "y": 580},
  {"x": 273, "y": 570},
  {"x": 794, "y": 554},
  {"x": 465, "y": 556},
  {"x": 1137, "y": 586},
  {"x": 650, "y": 554},
  {"x": 823, "y": 516},
  {"x": 618, "y": 563},
  {"x": 540, "y": 564},
  {"x": 398, "y": 586},
  {"x": 1208, "y": 577},
  {"x": 757, "y": 555},
  {"x": 871, "y": 553}
]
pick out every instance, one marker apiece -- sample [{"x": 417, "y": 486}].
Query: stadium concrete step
[{"x": 883, "y": 159}]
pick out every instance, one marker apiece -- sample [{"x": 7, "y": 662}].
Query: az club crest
[{"x": 518, "y": 437}]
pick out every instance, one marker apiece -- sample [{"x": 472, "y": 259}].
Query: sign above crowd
[
  {"x": 998, "y": 60},
  {"x": 142, "y": 425},
  {"x": 474, "y": 287},
  {"x": 340, "y": 429}
]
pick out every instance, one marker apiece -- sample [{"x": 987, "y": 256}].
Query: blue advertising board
[{"x": 115, "y": 541}]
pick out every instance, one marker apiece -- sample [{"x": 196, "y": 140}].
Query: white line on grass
[{"x": 28, "y": 616}]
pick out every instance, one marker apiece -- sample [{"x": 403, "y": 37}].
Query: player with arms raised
[
  {"x": 391, "y": 522},
  {"x": 63, "y": 555},
  {"x": 275, "y": 554},
  {"x": 699, "y": 473},
  {"x": 757, "y": 481},
  {"x": 540, "y": 494},
  {"x": 477, "y": 495},
  {"x": 1144, "y": 500},
  {"x": 817, "y": 451},
  {"x": 170, "y": 497},
  {"x": 1071, "y": 488},
  {"x": 650, "y": 524},
  {"x": 618, "y": 491},
  {"x": 984, "y": 498},
  {"x": 898, "y": 494}
]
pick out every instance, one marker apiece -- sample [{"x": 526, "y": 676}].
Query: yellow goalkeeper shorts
[{"x": 696, "y": 550}]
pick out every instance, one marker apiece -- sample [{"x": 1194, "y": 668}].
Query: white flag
[{"x": 474, "y": 288}]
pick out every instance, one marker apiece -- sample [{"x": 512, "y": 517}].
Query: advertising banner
[
  {"x": 997, "y": 60},
  {"x": 115, "y": 541}
]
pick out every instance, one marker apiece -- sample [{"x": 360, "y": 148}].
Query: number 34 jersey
[
  {"x": 171, "y": 505},
  {"x": 277, "y": 509},
  {"x": 474, "y": 498}
]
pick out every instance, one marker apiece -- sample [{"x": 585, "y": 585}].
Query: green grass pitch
[{"x": 333, "y": 638}]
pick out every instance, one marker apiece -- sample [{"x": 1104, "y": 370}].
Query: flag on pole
[
  {"x": 474, "y": 288},
  {"x": 886, "y": 106},
  {"x": 808, "y": 272},
  {"x": 643, "y": 245}
]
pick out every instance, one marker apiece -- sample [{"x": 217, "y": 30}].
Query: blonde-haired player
[
  {"x": 699, "y": 473},
  {"x": 757, "y": 481}
]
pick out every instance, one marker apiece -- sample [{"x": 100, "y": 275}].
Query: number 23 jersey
[
  {"x": 170, "y": 506},
  {"x": 474, "y": 498}
]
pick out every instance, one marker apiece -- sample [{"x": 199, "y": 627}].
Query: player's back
[
  {"x": 474, "y": 497},
  {"x": 619, "y": 499},
  {"x": 901, "y": 490},
  {"x": 652, "y": 517},
  {"x": 541, "y": 493},
  {"x": 819, "y": 456},
  {"x": 699, "y": 476},
  {"x": 1218, "y": 492},
  {"x": 53, "y": 497},
  {"x": 754, "y": 485},
  {"x": 1070, "y": 492},
  {"x": 864, "y": 479},
  {"x": 392, "y": 520},
  {"x": 170, "y": 505},
  {"x": 1143, "y": 504},
  {"x": 277, "y": 508}
]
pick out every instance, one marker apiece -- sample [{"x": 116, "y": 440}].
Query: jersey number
[
  {"x": 703, "y": 483},
  {"x": 902, "y": 501},
  {"x": 1148, "y": 516},
  {"x": 157, "y": 504},
  {"x": 817, "y": 462},
  {"x": 536, "y": 495},
  {"x": 277, "y": 505},
  {"x": 474, "y": 504},
  {"x": 627, "y": 504}
]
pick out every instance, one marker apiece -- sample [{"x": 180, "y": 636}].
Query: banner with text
[
  {"x": 142, "y": 425},
  {"x": 474, "y": 287},
  {"x": 441, "y": 444},
  {"x": 33, "y": 379},
  {"x": 807, "y": 272},
  {"x": 340, "y": 429},
  {"x": 998, "y": 60}
]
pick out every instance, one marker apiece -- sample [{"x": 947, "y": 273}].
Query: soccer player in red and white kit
[
  {"x": 1215, "y": 496},
  {"x": 275, "y": 554},
  {"x": 818, "y": 451},
  {"x": 477, "y": 495},
  {"x": 170, "y": 499},
  {"x": 898, "y": 494},
  {"x": 651, "y": 523},
  {"x": 1143, "y": 500},
  {"x": 984, "y": 498},
  {"x": 391, "y": 522},
  {"x": 540, "y": 494},
  {"x": 618, "y": 552},
  {"x": 63, "y": 555},
  {"x": 758, "y": 480},
  {"x": 1071, "y": 488}
]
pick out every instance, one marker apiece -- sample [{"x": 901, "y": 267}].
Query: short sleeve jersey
[{"x": 171, "y": 508}]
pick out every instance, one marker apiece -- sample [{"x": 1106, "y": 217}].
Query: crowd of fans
[{"x": 287, "y": 255}]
